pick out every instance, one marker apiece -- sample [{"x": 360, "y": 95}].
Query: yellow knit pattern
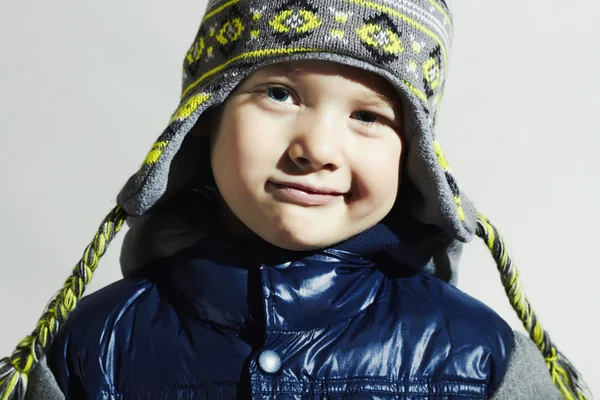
[
  {"x": 183, "y": 112},
  {"x": 189, "y": 106},
  {"x": 450, "y": 178}
]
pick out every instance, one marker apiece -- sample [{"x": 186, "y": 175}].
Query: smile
[{"x": 303, "y": 195}]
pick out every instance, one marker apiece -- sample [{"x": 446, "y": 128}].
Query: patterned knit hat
[{"x": 404, "y": 41}]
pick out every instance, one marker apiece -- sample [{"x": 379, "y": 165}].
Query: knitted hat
[{"x": 405, "y": 41}]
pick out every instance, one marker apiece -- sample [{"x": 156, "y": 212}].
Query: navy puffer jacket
[{"x": 228, "y": 319}]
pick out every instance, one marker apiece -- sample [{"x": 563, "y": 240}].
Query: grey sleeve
[
  {"x": 526, "y": 377},
  {"x": 42, "y": 385}
]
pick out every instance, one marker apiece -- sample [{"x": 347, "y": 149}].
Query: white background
[{"x": 86, "y": 87}]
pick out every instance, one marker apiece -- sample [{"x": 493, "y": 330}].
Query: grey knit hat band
[{"x": 405, "y": 41}]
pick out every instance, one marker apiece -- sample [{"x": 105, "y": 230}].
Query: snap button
[
  {"x": 284, "y": 265},
  {"x": 269, "y": 361},
  {"x": 266, "y": 292}
]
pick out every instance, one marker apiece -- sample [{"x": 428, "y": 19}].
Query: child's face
[{"x": 307, "y": 154}]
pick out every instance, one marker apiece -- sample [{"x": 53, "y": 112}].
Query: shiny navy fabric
[{"x": 343, "y": 325}]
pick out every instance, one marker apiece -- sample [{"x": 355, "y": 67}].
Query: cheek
[
  {"x": 242, "y": 151},
  {"x": 377, "y": 174},
  {"x": 224, "y": 157}
]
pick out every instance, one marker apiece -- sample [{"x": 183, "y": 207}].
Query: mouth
[
  {"x": 308, "y": 188},
  {"x": 304, "y": 194}
]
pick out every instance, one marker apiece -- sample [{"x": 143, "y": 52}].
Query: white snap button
[
  {"x": 266, "y": 292},
  {"x": 269, "y": 361},
  {"x": 284, "y": 265}
]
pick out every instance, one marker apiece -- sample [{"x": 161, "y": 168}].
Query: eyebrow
[
  {"x": 290, "y": 68},
  {"x": 385, "y": 100},
  {"x": 379, "y": 100}
]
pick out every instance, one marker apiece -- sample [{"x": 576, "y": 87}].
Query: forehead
[{"x": 368, "y": 82}]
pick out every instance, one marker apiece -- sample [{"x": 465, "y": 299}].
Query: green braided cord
[
  {"x": 564, "y": 375},
  {"x": 14, "y": 370}
]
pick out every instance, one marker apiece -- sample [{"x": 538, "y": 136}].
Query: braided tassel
[
  {"x": 14, "y": 370},
  {"x": 566, "y": 378}
]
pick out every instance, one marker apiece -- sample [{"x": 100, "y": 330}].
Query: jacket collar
[{"x": 223, "y": 281}]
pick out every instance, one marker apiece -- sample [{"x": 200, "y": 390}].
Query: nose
[{"x": 316, "y": 144}]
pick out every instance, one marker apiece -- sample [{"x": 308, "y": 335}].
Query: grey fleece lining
[{"x": 526, "y": 377}]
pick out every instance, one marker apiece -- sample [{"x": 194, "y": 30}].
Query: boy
[{"x": 300, "y": 224}]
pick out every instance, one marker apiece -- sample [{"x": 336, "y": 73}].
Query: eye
[
  {"x": 365, "y": 116},
  {"x": 369, "y": 118},
  {"x": 278, "y": 94}
]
